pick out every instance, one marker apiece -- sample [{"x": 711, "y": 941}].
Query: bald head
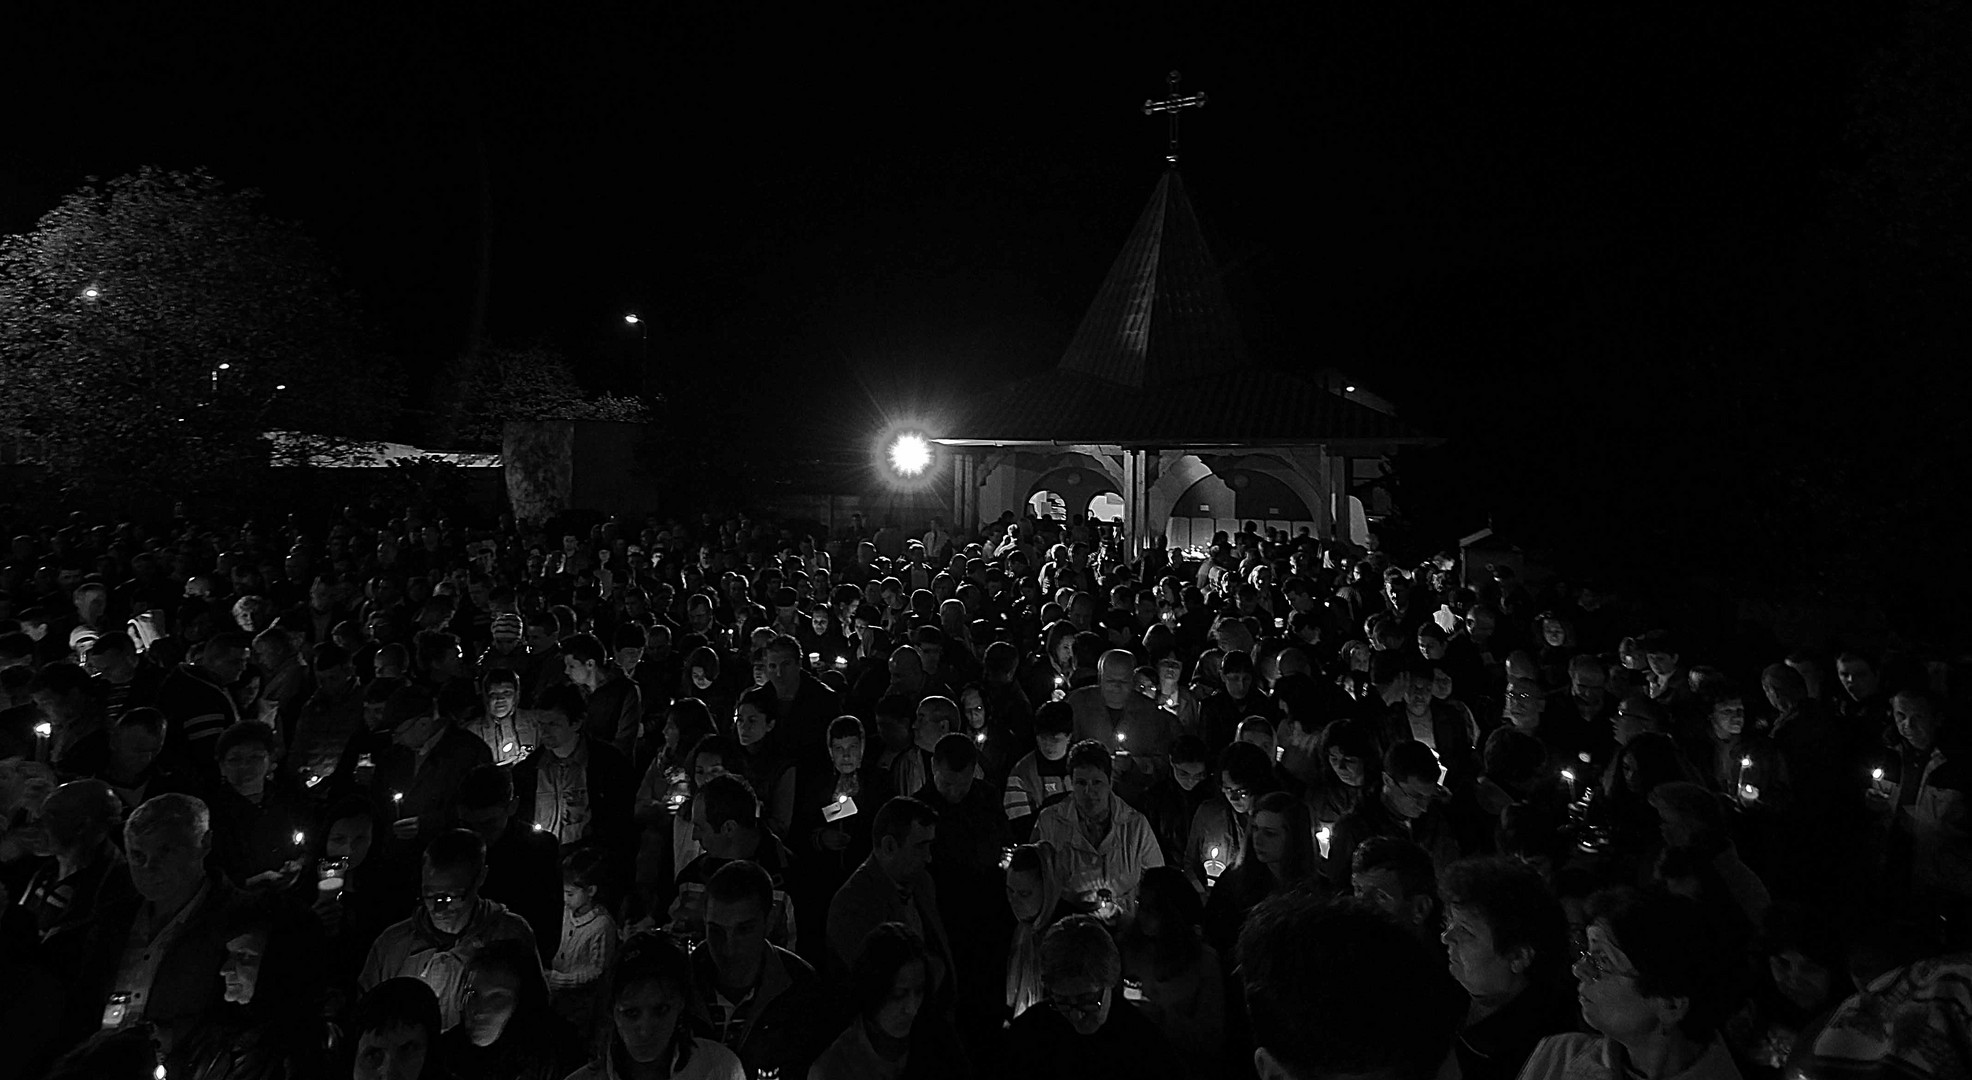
[{"x": 1118, "y": 671}]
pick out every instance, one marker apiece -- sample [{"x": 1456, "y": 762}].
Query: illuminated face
[
  {"x": 1915, "y": 721},
  {"x": 973, "y": 705},
  {"x": 1474, "y": 960},
  {"x": 450, "y": 894},
  {"x": 1857, "y": 677},
  {"x": 1236, "y": 794},
  {"x": 1729, "y": 718},
  {"x": 1051, "y": 747},
  {"x": 846, "y": 754},
  {"x": 501, "y": 699}
]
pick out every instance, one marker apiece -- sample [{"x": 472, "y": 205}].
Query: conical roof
[{"x": 1161, "y": 315}]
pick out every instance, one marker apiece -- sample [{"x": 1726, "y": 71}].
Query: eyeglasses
[
  {"x": 1596, "y": 969},
  {"x": 1082, "y": 1004},
  {"x": 442, "y": 899}
]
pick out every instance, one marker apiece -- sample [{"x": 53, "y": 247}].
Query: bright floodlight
[
  {"x": 633, "y": 319},
  {"x": 910, "y": 455}
]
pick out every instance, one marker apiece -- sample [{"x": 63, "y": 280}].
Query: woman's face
[
  {"x": 1064, "y": 653},
  {"x": 1555, "y": 634},
  {"x": 700, "y": 679},
  {"x": 646, "y": 1017},
  {"x": 1632, "y": 775},
  {"x": 1347, "y": 768},
  {"x": 898, "y": 1011},
  {"x": 1240, "y": 798},
  {"x": 1607, "y": 989},
  {"x": 492, "y": 995},
  {"x": 1269, "y": 837},
  {"x": 1169, "y": 671},
  {"x": 1024, "y": 894},
  {"x": 1475, "y": 962}
]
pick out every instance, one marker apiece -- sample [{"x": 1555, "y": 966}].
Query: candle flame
[
  {"x": 44, "y": 729},
  {"x": 300, "y": 838},
  {"x": 1876, "y": 774},
  {"x": 1746, "y": 763}
]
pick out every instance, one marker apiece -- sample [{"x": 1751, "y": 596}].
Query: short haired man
[
  {"x": 195, "y": 701},
  {"x": 894, "y": 885},
  {"x": 806, "y": 703},
  {"x": 1102, "y": 844},
  {"x": 452, "y": 923},
  {"x": 179, "y": 908},
  {"x": 1396, "y": 877},
  {"x": 727, "y": 826},
  {"x": 615, "y": 711},
  {"x": 1407, "y": 806},
  {"x": 762, "y": 1001},
  {"x": 1393, "y": 1018},
  {"x": 1132, "y": 726},
  {"x": 574, "y": 785}
]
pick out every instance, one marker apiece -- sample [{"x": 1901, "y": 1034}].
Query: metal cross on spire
[{"x": 1173, "y": 105}]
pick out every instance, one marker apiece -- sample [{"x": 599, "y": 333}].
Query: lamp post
[{"x": 643, "y": 339}]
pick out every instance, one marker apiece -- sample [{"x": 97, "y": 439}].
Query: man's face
[
  {"x": 1729, "y": 718},
  {"x": 1084, "y": 1003},
  {"x": 1662, "y": 664},
  {"x": 132, "y": 749},
  {"x": 1590, "y": 687},
  {"x": 1915, "y": 722},
  {"x": 927, "y": 728},
  {"x": 914, "y": 854},
  {"x": 736, "y": 932},
  {"x": 225, "y": 665},
  {"x": 1382, "y": 888},
  {"x": 450, "y": 892},
  {"x": 580, "y": 672},
  {"x": 1119, "y": 681},
  {"x": 245, "y": 767},
  {"x": 1858, "y": 678},
  {"x": 1188, "y": 774},
  {"x": 953, "y": 784},
  {"x": 1090, "y": 787},
  {"x": 1411, "y": 798},
  {"x": 1238, "y": 684},
  {"x": 782, "y": 665},
  {"x": 166, "y": 863},
  {"x": 241, "y": 969},
  {"x": 629, "y": 657}
]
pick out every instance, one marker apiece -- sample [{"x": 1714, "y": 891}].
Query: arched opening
[
  {"x": 1046, "y": 504},
  {"x": 1222, "y": 504},
  {"x": 1106, "y": 506}
]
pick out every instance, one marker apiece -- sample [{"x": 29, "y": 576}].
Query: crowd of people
[{"x": 395, "y": 794}]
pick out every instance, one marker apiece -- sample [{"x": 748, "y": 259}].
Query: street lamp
[{"x": 909, "y": 454}]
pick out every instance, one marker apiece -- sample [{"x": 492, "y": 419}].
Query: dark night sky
[{"x": 1476, "y": 208}]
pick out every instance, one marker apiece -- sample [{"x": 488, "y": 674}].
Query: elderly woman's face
[
  {"x": 1607, "y": 989},
  {"x": 1475, "y": 961},
  {"x": 1083, "y": 1001}
]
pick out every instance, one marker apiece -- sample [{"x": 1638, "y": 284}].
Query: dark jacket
[
  {"x": 782, "y": 1026},
  {"x": 523, "y": 871},
  {"x": 1042, "y": 1046},
  {"x": 612, "y": 793}
]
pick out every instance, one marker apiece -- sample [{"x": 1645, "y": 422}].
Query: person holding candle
[
  {"x": 418, "y": 775},
  {"x": 1102, "y": 843},
  {"x": 1279, "y": 853},
  {"x": 257, "y": 815},
  {"x": 1040, "y": 778},
  {"x": 1133, "y": 727}
]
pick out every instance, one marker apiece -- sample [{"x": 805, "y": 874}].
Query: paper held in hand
[{"x": 838, "y": 809}]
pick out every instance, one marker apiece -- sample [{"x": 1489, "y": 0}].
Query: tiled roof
[
  {"x": 1250, "y": 405},
  {"x": 1161, "y": 315}
]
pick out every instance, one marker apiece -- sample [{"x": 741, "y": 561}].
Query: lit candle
[
  {"x": 1876, "y": 774},
  {"x": 312, "y": 780},
  {"x": 1745, "y": 763},
  {"x": 43, "y": 731},
  {"x": 1748, "y": 792},
  {"x": 814, "y": 658},
  {"x": 1322, "y": 836},
  {"x": 538, "y": 827},
  {"x": 397, "y": 802},
  {"x": 300, "y": 838},
  {"x": 979, "y": 737},
  {"x": 507, "y": 748},
  {"x": 1059, "y": 681},
  {"x": 1583, "y": 757}
]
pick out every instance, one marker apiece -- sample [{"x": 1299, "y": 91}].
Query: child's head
[
  {"x": 584, "y": 875},
  {"x": 1054, "y": 723},
  {"x": 846, "y": 744}
]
